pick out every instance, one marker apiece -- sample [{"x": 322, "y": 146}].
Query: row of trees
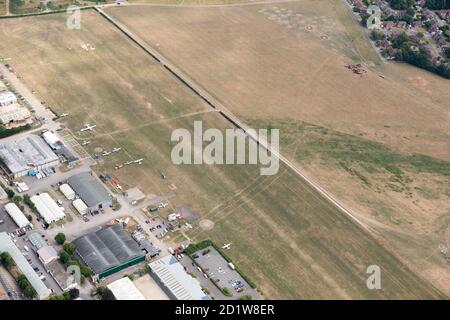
[
  {"x": 438, "y": 4},
  {"x": 67, "y": 256},
  {"x": 26, "y": 287}
]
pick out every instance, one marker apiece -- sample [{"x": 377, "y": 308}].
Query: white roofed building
[
  {"x": 124, "y": 289},
  {"x": 67, "y": 191},
  {"x": 47, "y": 208},
  {"x": 17, "y": 215},
  {"x": 7, "y": 245},
  {"x": 27, "y": 154},
  {"x": 81, "y": 207},
  {"x": 51, "y": 139},
  {"x": 7, "y": 98}
]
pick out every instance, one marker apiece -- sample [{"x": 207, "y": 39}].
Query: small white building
[
  {"x": 124, "y": 289},
  {"x": 51, "y": 139},
  {"x": 7, "y": 98},
  {"x": 67, "y": 191},
  {"x": 81, "y": 207},
  {"x": 17, "y": 215},
  {"x": 47, "y": 254}
]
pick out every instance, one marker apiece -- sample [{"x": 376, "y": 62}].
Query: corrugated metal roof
[
  {"x": 172, "y": 274},
  {"x": 89, "y": 189},
  {"x": 7, "y": 245},
  {"x": 107, "y": 248}
]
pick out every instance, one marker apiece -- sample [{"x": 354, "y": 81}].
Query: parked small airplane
[
  {"x": 85, "y": 143},
  {"x": 226, "y": 246},
  {"x": 87, "y": 127},
  {"x": 138, "y": 161},
  {"x": 63, "y": 115},
  {"x": 163, "y": 204},
  {"x": 188, "y": 225},
  {"x": 116, "y": 149},
  {"x": 106, "y": 153}
]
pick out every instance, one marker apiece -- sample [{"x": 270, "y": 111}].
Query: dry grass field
[
  {"x": 287, "y": 60},
  {"x": 379, "y": 142},
  {"x": 287, "y": 238}
]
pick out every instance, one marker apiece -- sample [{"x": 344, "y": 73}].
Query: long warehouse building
[
  {"x": 17, "y": 215},
  {"x": 47, "y": 208},
  {"x": 7, "y": 245}
]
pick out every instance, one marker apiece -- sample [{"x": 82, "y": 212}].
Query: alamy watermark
[
  {"x": 374, "y": 280},
  {"x": 73, "y": 21},
  {"x": 237, "y": 147},
  {"x": 374, "y": 21}
]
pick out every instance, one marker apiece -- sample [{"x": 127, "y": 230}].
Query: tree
[
  {"x": 74, "y": 293},
  {"x": 107, "y": 295},
  {"x": 69, "y": 248},
  {"x": 30, "y": 217},
  {"x": 6, "y": 260},
  {"x": 60, "y": 238},
  {"x": 86, "y": 271},
  {"x": 64, "y": 256},
  {"x": 10, "y": 193},
  {"x": 17, "y": 199},
  {"x": 29, "y": 292}
]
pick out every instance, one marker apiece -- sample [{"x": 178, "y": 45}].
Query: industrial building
[
  {"x": 124, "y": 289},
  {"x": 55, "y": 143},
  {"x": 175, "y": 281},
  {"x": 90, "y": 190},
  {"x": 17, "y": 215},
  {"x": 26, "y": 155},
  {"x": 36, "y": 240},
  {"x": 7, "y": 98},
  {"x": 47, "y": 208},
  {"x": 7, "y": 245},
  {"x": 108, "y": 250},
  {"x": 13, "y": 113},
  {"x": 47, "y": 254},
  {"x": 80, "y": 206},
  {"x": 67, "y": 191}
]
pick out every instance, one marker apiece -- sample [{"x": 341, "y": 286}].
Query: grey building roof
[
  {"x": 7, "y": 245},
  {"x": 106, "y": 248},
  {"x": 89, "y": 189},
  {"x": 26, "y": 153},
  {"x": 36, "y": 240}
]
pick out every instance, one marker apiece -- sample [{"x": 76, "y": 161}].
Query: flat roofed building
[
  {"x": 27, "y": 154},
  {"x": 7, "y": 245},
  {"x": 13, "y": 113},
  {"x": 175, "y": 281},
  {"x": 108, "y": 250},
  {"x": 124, "y": 289},
  {"x": 7, "y": 98},
  {"x": 17, "y": 215},
  {"x": 47, "y": 254},
  {"x": 90, "y": 190}
]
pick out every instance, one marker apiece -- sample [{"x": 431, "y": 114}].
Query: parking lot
[{"x": 218, "y": 270}]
